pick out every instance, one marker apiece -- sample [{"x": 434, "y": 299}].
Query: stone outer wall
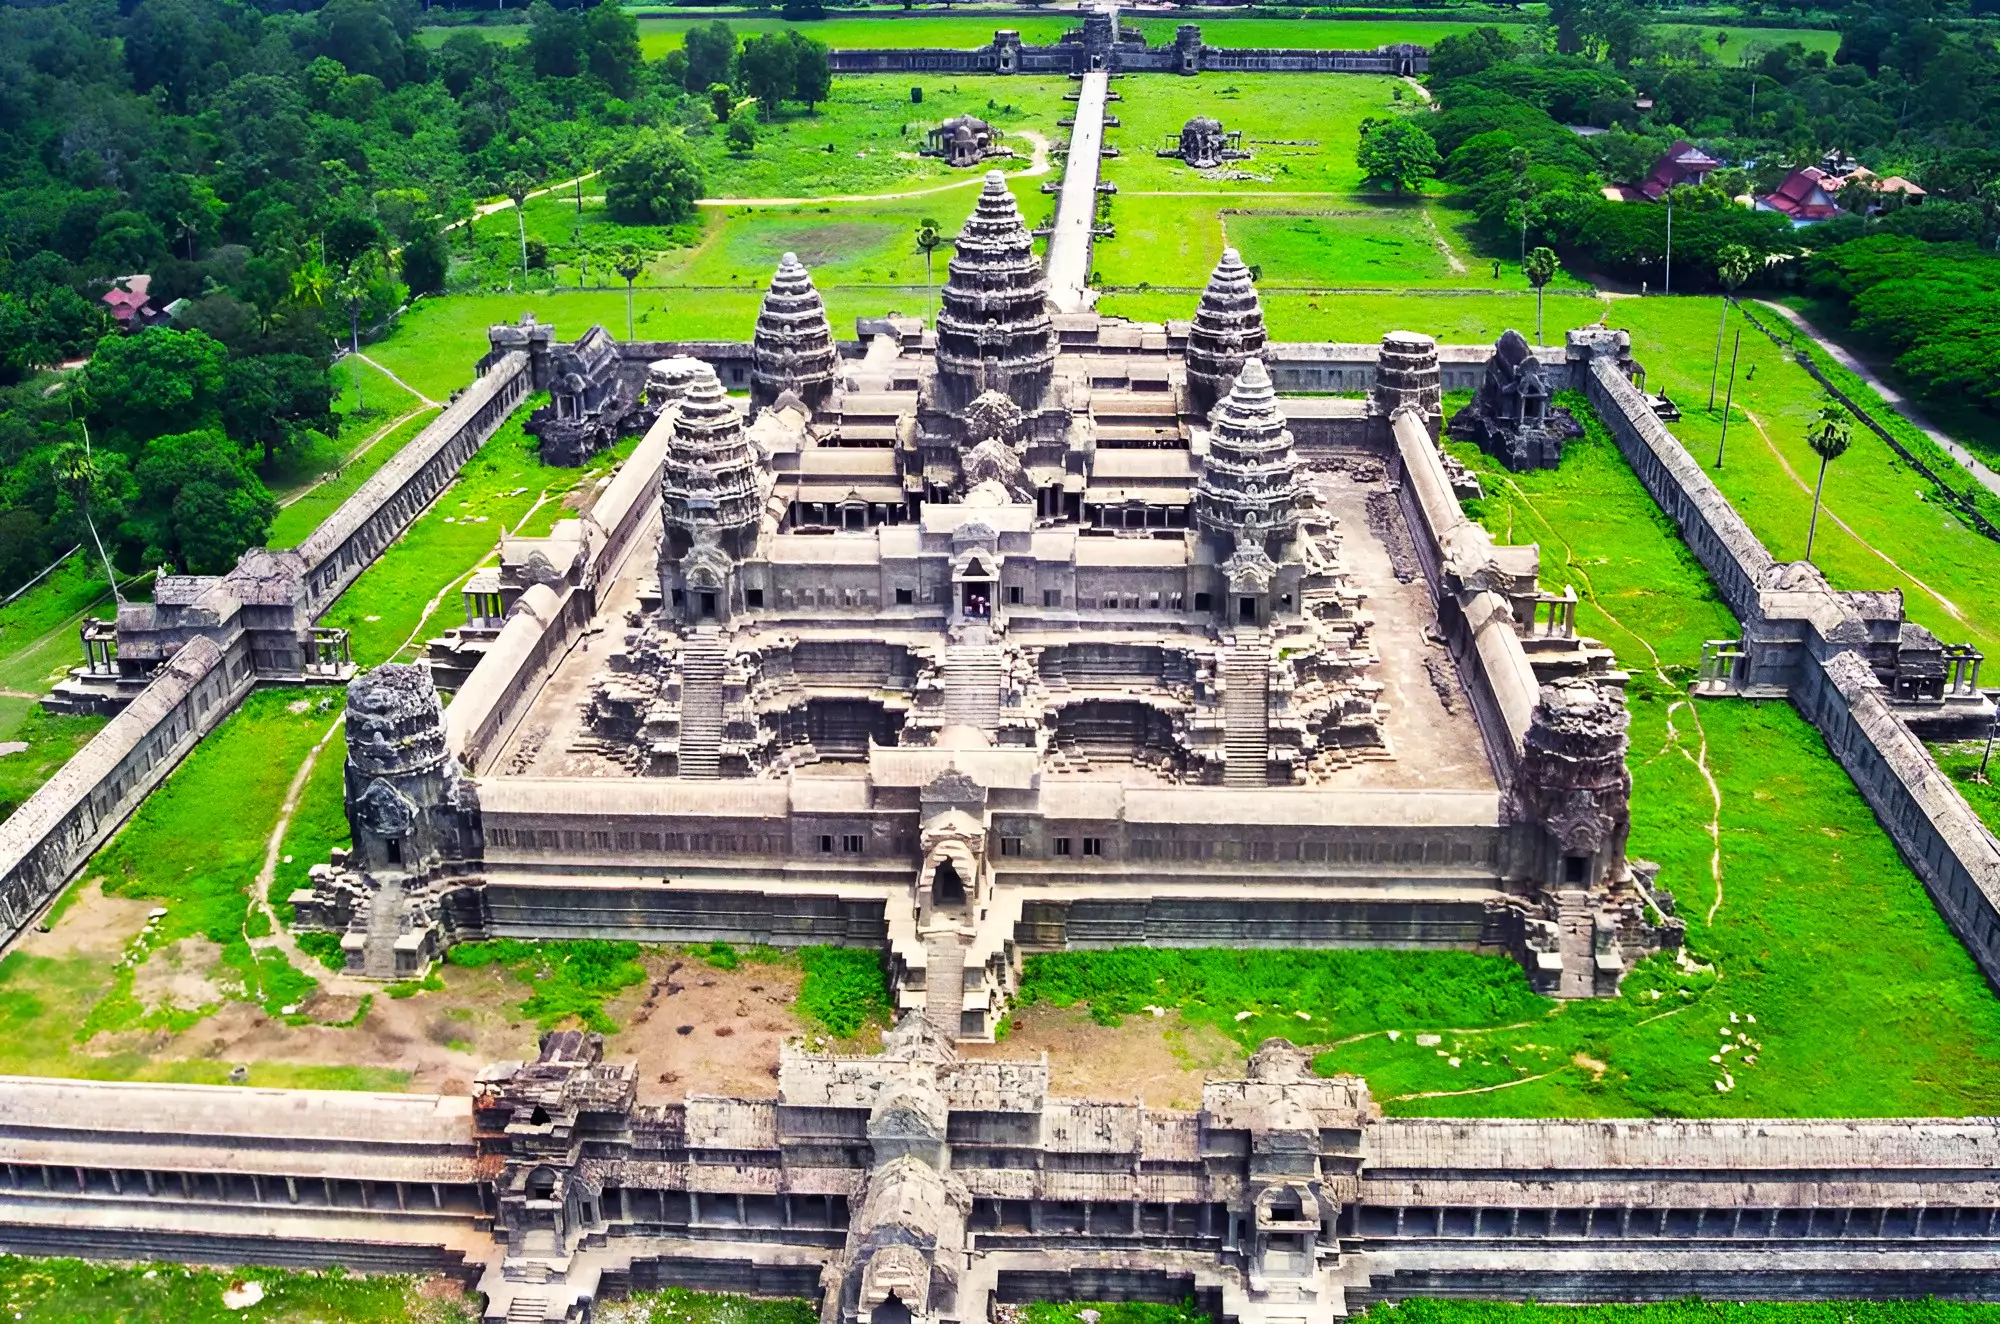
[
  {"x": 77, "y": 810},
  {"x": 1056, "y": 1197},
  {"x": 1793, "y": 629},
  {"x": 350, "y": 539},
  {"x": 549, "y": 618}
]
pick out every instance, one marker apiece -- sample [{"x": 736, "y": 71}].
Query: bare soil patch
[
  {"x": 93, "y": 925},
  {"x": 738, "y": 1019},
  {"x": 1162, "y": 1062},
  {"x": 182, "y": 975}
]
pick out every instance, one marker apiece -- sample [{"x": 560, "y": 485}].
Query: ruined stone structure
[
  {"x": 924, "y": 1185},
  {"x": 964, "y": 141},
  {"x": 1038, "y": 632},
  {"x": 591, "y": 403},
  {"x": 1104, "y": 43},
  {"x": 1512, "y": 418},
  {"x": 1204, "y": 144}
]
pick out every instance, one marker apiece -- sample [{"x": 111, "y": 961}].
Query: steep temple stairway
[
  {"x": 1246, "y": 729},
  {"x": 702, "y": 664}
]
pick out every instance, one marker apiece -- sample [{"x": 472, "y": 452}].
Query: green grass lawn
[
  {"x": 1882, "y": 533},
  {"x": 306, "y": 510},
  {"x": 50, "y": 741},
  {"x": 85, "y": 1292},
  {"x": 1863, "y": 1001},
  {"x": 38, "y": 630},
  {"x": 497, "y": 490},
  {"x": 1960, "y": 762}
]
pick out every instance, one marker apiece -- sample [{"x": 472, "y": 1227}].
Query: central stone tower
[{"x": 993, "y": 329}]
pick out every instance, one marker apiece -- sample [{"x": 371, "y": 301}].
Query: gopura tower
[
  {"x": 792, "y": 348},
  {"x": 712, "y": 488}
]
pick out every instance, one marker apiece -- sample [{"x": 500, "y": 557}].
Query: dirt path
[
  {"x": 488, "y": 208},
  {"x": 1699, "y": 756},
  {"x": 399, "y": 381},
  {"x": 279, "y": 936},
  {"x": 1890, "y": 396},
  {"x": 351, "y": 456},
  {"x": 1827, "y": 512},
  {"x": 1038, "y": 165}
]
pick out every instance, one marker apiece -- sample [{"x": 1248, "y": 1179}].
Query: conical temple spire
[
  {"x": 1250, "y": 472},
  {"x": 993, "y": 328},
  {"x": 710, "y": 479},
  {"x": 792, "y": 348},
  {"x": 1228, "y": 329}
]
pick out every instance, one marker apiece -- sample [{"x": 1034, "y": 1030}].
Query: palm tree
[
  {"x": 1829, "y": 435},
  {"x": 517, "y": 186},
  {"x": 312, "y": 279},
  {"x": 929, "y": 235},
  {"x": 1540, "y": 269},
  {"x": 352, "y": 289},
  {"x": 1733, "y": 265},
  {"x": 77, "y": 471},
  {"x": 629, "y": 265}
]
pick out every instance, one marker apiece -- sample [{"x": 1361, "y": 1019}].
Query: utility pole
[
  {"x": 1729, "y": 398},
  {"x": 1669, "y": 288}
]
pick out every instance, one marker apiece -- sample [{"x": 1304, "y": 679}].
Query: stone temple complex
[{"x": 1039, "y": 630}]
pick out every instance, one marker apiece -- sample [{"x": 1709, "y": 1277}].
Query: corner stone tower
[
  {"x": 711, "y": 501},
  {"x": 792, "y": 347},
  {"x": 402, "y": 783},
  {"x": 993, "y": 327},
  {"x": 1573, "y": 781},
  {"x": 1407, "y": 375},
  {"x": 1249, "y": 491},
  {"x": 1228, "y": 331}
]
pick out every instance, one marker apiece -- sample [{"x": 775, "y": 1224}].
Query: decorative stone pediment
[
  {"x": 953, "y": 787},
  {"x": 384, "y": 810}
]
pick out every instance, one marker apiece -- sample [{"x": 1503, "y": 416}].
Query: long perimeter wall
[{"x": 1794, "y": 632}]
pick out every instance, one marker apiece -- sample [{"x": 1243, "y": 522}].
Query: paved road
[
  {"x": 1068, "y": 262},
  {"x": 1839, "y": 354}
]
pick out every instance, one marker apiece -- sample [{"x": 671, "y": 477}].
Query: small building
[
  {"x": 1682, "y": 164},
  {"x": 964, "y": 141},
  {"x": 1887, "y": 191},
  {"x": 1804, "y": 196},
  {"x": 131, "y": 304},
  {"x": 1205, "y": 144}
]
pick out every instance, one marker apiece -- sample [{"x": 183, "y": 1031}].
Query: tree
[
  {"x": 200, "y": 506},
  {"x": 517, "y": 186},
  {"x": 711, "y": 55},
  {"x": 656, "y": 182},
  {"x": 812, "y": 72},
  {"x": 767, "y": 66},
  {"x": 611, "y": 48},
  {"x": 159, "y": 380},
  {"x": 1829, "y": 435},
  {"x": 1397, "y": 153},
  {"x": 1540, "y": 269},
  {"x": 1733, "y": 265},
  {"x": 426, "y": 261},
  {"x": 352, "y": 290},
  {"x": 929, "y": 236},
  {"x": 629, "y": 264},
  {"x": 721, "y": 101},
  {"x": 271, "y": 400},
  {"x": 742, "y": 129},
  {"x": 360, "y": 35},
  {"x": 555, "y": 40}
]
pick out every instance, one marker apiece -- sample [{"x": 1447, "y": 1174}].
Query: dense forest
[
  {"x": 288, "y": 177},
  {"x": 1912, "y": 90}
]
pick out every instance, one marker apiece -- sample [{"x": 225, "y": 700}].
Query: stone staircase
[
  {"x": 385, "y": 925},
  {"x": 702, "y": 665},
  {"x": 972, "y": 685},
  {"x": 1578, "y": 931},
  {"x": 1246, "y": 729},
  {"x": 528, "y": 1310},
  {"x": 944, "y": 979}
]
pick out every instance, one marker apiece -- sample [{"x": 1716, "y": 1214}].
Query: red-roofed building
[
  {"x": 1684, "y": 163},
  {"x": 1804, "y": 196},
  {"x": 130, "y": 302}
]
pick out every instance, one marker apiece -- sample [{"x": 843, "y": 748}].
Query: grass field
[
  {"x": 1877, "y": 529},
  {"x": 80, "y": 1291},
  {"x": 1459, "y": 318},
  {"x": 307, "y": 509},
  {"x": 50, "y": 741},
  {"x": 1960, "y": 762},
  {"x": 1863, "y": 1001}
]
